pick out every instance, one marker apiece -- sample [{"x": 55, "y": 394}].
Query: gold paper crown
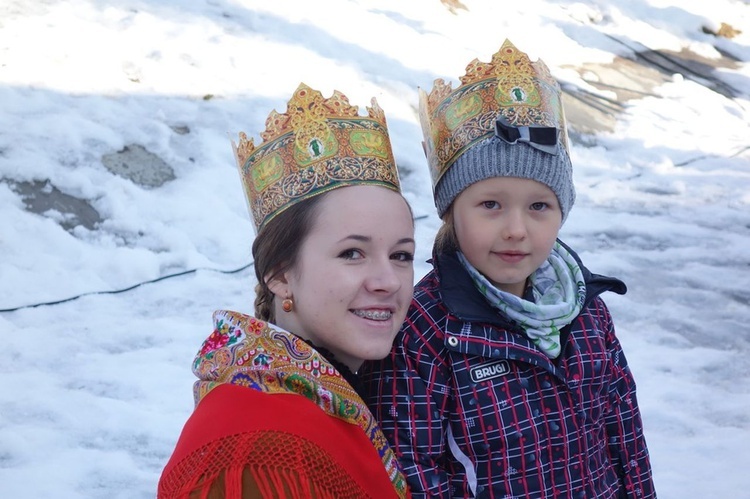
[
  {"x": 316, "y": 146},
  {"x": 522, "y": 92}
]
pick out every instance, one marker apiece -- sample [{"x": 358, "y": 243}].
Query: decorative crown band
[
  {"x": 316, "y": 146},
  {"x": 510, "y": 91}
]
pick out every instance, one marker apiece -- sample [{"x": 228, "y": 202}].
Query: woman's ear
[{"x": 279, "y": 285}]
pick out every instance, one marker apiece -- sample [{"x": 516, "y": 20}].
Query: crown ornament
[
  {"x": 510, "y": 91},
  {"x": 318, "y": 145}
]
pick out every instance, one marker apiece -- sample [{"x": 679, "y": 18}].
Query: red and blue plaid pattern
[{"x": 474, "y": 409}]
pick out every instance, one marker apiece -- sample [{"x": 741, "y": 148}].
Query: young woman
[
  {"x": 277, "y": 412},
  {"x": 507, "y": 379}
]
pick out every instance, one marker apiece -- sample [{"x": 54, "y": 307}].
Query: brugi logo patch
[{"x": 491, "y": 370}]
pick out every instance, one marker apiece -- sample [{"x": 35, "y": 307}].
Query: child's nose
[{"x": 515, "y": 226}]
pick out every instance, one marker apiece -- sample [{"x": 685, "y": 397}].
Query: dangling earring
[{"x": 287, "y": 304}]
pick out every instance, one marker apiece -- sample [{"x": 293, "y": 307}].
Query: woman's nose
[{"x": 383, "y": 277}]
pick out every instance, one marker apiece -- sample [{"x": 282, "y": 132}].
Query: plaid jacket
[{"x": 474, "y": 409}]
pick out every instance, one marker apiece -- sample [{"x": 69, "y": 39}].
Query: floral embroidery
[
  {"x": 262, "y": 360},
  {"x": 223, "y": 335},
  {"x": 245, "y": 351},
  {"x": 255, "y": 326}
]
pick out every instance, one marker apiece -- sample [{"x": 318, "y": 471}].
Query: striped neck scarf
[{"x": 558, "y": 292}]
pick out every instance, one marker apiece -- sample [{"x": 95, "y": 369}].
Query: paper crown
[
  {"x": 316, "y": 146},
  {"x": 510, "y": 89}
]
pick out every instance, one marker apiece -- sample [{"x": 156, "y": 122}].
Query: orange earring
[{"x": 287, "y": 305}]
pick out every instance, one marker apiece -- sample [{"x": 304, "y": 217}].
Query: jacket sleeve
[
  {"x": 409, "y": 393},
  {"x": 627, "y": 443}
]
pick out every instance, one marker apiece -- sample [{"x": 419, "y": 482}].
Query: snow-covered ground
[{"x": 96, "y": 389}]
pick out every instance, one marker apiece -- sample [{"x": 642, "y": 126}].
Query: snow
[{"x": 96, "y": 389}]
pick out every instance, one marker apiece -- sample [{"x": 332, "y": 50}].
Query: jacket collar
[{"x": 464, "y": 300}]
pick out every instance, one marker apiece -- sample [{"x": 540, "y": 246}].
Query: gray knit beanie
[{"x": 494, "y": 157}]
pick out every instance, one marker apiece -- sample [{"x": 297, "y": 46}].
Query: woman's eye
[
  {"x": 403, "y": 256},
  {"x": 538, "y": 206},
  {"x": 351, "y": 254},
  {"x": 491, "y": 205}
]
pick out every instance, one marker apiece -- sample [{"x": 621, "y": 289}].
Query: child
[
  {"x": 277, "y": 414},
  {"x": 507, "y": 378}
]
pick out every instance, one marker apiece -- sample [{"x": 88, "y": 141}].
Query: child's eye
[
  {"x": 403, "y": 256},
  {"x": 539, "y": 206},
  {"x": 491, "y": 205},
  {"x": 351, "y": 254}
]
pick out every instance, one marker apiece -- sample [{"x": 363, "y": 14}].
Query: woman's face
[{"x": 353, "y": 280}]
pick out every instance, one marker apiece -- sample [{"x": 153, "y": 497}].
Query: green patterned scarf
[{"x": 559, "y": 292}]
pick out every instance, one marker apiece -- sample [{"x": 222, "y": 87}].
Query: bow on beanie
[{"x": 543, "y": 138}]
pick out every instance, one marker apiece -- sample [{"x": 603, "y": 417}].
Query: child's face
[{"x": 506, "y": 227}]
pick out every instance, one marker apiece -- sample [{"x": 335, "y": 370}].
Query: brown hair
[
  {"x": 446, "y": 240},
  {"x": 276, "y": 248}
]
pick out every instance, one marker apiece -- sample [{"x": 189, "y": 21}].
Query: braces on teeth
[{"x": 376, "y": 315}]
